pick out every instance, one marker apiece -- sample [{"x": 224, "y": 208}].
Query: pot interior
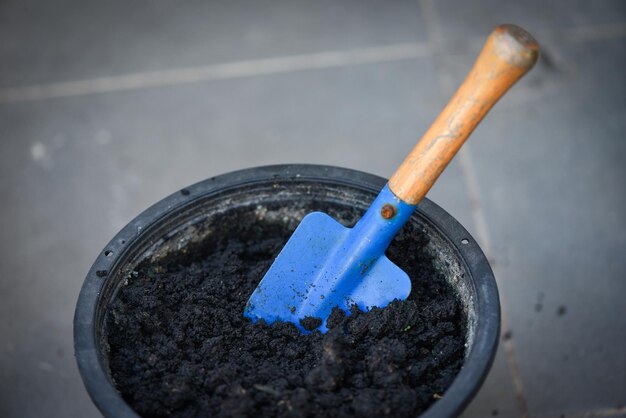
[
  {"x": 186, "y": 228},
  {"x": 186, "y": 234}
]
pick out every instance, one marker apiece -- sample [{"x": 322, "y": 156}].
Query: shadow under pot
[{"x": 159, "y": 330}]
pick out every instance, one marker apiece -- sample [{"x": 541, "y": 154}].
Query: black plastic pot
[{"x": 179, "y": 220}]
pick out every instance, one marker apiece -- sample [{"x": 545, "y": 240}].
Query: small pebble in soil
[{"x": 180, "y": 346}]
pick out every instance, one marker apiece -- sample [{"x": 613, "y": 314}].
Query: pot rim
[{"x": 487, "y": 306}]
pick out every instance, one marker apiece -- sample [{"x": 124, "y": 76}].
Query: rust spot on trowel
[{"x": 387, "y": 211}]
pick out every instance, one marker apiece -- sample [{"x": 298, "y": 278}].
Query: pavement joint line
[
  {"x": 586, "y": 33},
  {"x": 466, "y": 167},
  {"x": 230, "y": 70},
  {"x": 596, "y": 32},
  {"x": 482, "y": 231},
  {"x": 269, "y": 66},
  {"x": 447, "y": 84}
]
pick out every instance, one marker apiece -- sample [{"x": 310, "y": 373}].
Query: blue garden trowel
[{"x": 325, "y": 264}]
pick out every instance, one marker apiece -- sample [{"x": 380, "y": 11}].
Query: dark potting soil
[{"x": 179, "y": 345}]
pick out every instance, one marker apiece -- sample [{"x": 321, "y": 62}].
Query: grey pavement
[{"x": 107, "y": 107}]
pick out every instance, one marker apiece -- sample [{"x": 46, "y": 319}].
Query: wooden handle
[{"x": 508, "y": 54}]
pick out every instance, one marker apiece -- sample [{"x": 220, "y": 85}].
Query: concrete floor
[{"x": 106, "y": 107}]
